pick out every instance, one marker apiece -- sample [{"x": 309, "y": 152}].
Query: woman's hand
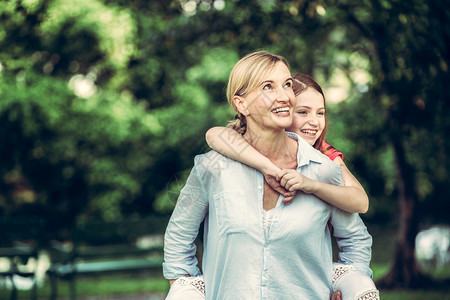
[{"x": 336, "y": 296}]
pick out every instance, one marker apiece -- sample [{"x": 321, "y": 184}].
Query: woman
[
  {"x": 310, "y": 123},
  {"x": 254, "y": 246}
]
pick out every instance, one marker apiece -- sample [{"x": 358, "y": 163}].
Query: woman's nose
[{"x": 283, "y": 95}]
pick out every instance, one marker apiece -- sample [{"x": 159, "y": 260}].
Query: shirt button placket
[{"x": 265, "y": 278}]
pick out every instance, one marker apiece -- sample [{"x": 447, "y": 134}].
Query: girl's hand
[
  {"x": 270, "y": 177},
  {"x": 293, "y": 181}
]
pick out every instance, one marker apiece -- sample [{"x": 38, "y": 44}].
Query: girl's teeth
[{"x": 309, "y": 132}]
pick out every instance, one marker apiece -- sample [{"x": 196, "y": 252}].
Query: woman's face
[
  {"x": 309, "y": 116},
  {"x": 271, "y": 103}
]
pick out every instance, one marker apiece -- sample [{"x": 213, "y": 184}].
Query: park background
[{"x": 104, "y": 104}]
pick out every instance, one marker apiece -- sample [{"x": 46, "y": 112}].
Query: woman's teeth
[{"x": 281, "y": 110}]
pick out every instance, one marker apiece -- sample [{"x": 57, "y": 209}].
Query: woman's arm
[
  {"x": 182, "y": 229},
  {"x": 350, "y": 198},
  {"x": 353, "y": 240}
]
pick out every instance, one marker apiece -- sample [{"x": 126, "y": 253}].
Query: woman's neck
[{"x": 275, "y": 145}]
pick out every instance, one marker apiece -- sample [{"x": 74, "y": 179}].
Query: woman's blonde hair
[{"x": 246, "y": 75}]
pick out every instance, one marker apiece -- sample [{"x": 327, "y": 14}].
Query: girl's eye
[
  {"x": 321, "y": 113},
  {"x": 267, "y": 86},
  {"x": 288, "y": 84}
]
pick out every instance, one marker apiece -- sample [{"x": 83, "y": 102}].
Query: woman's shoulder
[
  {"x": 319, "y": 165},
  {"x": 213, "y": 160}
]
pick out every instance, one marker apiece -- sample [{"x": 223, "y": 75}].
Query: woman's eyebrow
[
  {"x": 271, "y": 81},
  {"x": 266, "y": 81}
]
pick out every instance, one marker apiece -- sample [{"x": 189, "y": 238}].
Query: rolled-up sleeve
[
  {"x": 353, "y": 239},
  {"x": 183, "y": 228}
]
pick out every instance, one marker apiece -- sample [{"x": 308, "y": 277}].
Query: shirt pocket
[{"x": 231, "y": 211}]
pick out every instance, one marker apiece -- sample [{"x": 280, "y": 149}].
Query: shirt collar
[{"x": 305, "y": 153}]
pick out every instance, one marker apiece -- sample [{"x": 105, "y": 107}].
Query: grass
[
  {"x": 414, "y": 295},
  {"x": 107, "y": 286},
  {"x": 102, "y": 287}
]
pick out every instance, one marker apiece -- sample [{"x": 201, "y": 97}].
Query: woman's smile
[{"x": 282, "y": 111}]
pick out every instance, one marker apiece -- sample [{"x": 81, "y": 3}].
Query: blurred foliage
[{"x": 104, "y": 103}]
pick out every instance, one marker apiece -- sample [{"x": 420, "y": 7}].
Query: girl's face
[
  {"x": 309, "y": 116},
  {"x": 271, "y": 103}
]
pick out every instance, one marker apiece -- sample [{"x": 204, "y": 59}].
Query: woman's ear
[{"x": 241, "y": 105}]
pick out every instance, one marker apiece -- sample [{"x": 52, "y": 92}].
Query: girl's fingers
[{"x": 281, "y": 174}]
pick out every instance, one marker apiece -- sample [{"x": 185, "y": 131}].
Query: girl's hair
[
  {"x": 246, "y": 75},
  {"x": 302, "y": 82}
]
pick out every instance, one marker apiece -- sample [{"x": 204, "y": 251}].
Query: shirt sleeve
[
  {"x": 353, "y": 240},
  {"x": 183, "y": 228},
  {"x": 330, "y": 151}
]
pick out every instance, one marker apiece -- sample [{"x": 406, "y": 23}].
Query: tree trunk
[{"x": 404, "y": 271}]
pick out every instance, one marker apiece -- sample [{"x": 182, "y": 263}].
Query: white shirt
[{"x": 293, "y": 261}]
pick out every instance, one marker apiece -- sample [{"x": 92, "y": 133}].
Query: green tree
[
  {"x": 406, "y": 42},
  {"x": 154, "y": 76}
]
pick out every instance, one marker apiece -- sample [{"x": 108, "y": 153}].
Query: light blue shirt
[{"x": 293, "y": 261}]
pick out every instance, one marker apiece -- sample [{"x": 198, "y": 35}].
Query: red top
[{"x": 330, "y": 151}]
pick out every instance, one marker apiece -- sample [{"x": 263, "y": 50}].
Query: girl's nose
[{"x": 313, "y": 120}]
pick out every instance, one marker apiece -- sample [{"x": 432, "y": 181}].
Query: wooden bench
[
  {"x": 20, "y": 241},
  {"x": 99, "y": 247}
]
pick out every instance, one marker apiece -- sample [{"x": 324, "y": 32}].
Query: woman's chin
[{"x": 284, "y": 123}]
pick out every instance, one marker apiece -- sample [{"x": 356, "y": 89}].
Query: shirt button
[{"x": 259, "y": 187}]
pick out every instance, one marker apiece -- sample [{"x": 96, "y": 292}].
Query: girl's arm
[
  {"x": 350, "y": 197},
  {"x": 356, "y": 191},
  {"x": 228, "y": 142}
]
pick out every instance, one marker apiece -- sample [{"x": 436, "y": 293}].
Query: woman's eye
[{"x": 302, "y": 112}]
